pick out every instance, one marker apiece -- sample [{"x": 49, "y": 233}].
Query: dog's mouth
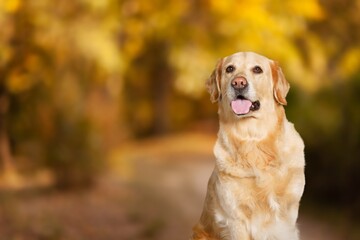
[{"x": 242, "y": 105}]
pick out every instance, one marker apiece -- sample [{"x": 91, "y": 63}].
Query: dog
[{"x": 258, "y": 179}]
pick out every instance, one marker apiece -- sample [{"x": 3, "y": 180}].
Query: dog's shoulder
[{"x": 291, "y": 145}]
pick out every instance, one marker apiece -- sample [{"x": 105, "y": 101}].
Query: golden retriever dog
[{"x": 258, "y": 180}]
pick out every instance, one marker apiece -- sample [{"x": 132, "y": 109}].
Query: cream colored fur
[{"x": 258, "y": 180}]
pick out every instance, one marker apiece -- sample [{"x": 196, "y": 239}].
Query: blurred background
[{"x": 106, "y": 130}]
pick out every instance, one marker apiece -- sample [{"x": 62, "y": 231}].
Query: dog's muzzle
[{"x": 241, "y": 105}]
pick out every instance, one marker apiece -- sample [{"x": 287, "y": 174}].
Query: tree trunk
[{"x": 5, "y": 150}]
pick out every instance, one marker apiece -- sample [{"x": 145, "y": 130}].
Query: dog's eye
[
  {"x": 230, "y": 69},
  {"x": 257, "y": 70}
]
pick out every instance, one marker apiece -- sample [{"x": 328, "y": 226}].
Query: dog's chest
[{"x": 250, "y": 197}]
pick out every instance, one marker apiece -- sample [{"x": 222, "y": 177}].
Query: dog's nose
[{"x": 239, "y": 83}]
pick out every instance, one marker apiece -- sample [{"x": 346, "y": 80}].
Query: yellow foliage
[
  {"x": 350, "y": 63},
  {"x": 10, "y": 6},
  {"x": 193, "y": 67},
  {"x": 18, "y": 82},
  {"x": 264, "y": 26},
  {"x": 197, "y": 37},
  {"x": 98, "y": 45},
  {"x": 97, "y": 4},
  {"x": 6, "y": 54},
  {"x": 24, "y": 78},
  {"x": 306, "y": 8}
]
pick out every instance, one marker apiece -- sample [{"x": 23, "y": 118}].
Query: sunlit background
[{"x": 106, "y": 130}]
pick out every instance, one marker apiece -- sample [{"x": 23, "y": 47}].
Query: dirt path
[
  {"x": 154, "y": 190},
  {"x": 179, "y": 180}
]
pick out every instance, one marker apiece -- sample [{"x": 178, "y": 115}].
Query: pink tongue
[{"x": 241, "y": 106}]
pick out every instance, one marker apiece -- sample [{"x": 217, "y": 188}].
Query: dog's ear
[
  {"x": 213, "y": 83},
  {"x": 281, "y": 86}
]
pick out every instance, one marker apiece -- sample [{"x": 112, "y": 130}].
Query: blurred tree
[
  {"x": 14, "y": 69},
  {"x": 48, "y": 64},
  {"x": 174, "y": 44},
  {"x": 5, "y": 151},
  {"x": 148, "y": 91},
  {"x": 332, "y": 124}
]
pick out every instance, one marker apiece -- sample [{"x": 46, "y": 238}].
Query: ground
[{"x": 154, "y": 189}]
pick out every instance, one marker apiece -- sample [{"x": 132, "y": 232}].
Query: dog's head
[{"x": 247, "y": 84}]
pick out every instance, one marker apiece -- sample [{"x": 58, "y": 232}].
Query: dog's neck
[
  {"x": 238, "y": 140},
  {"x": 250, "y": 129}
]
